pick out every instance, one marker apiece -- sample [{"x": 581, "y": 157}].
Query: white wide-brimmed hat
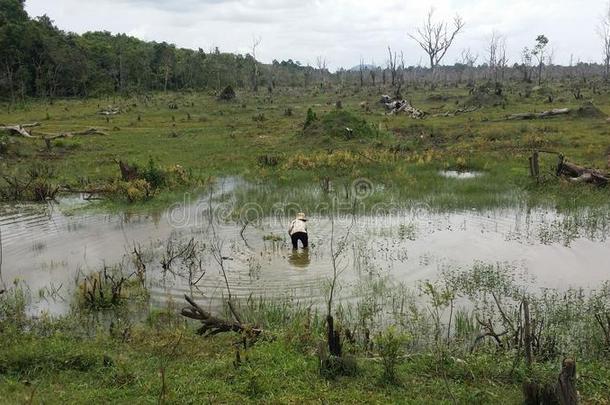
[{"x": 301, "y": 216}]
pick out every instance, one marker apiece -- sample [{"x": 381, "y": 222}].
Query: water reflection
[{"x": 299, "y": 258}]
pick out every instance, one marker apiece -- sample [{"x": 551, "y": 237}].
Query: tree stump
[{"x": 563, "y": 392}]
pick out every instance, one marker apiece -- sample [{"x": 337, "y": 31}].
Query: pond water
[
  {"x": 48, "y": 250},
  {"x": 454, "y": 174}
]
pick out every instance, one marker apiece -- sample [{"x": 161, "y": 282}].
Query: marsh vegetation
[{"x": 459, "y": 220}]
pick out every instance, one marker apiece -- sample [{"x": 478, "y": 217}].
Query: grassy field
[
  {"x": 261, "y": 138},
  {"x": 182, "y": 142},
  {"x": 74, "y": 361}
]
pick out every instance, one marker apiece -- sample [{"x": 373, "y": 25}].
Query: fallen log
[
  {"x": 545, "y": 114},
  {"x": 399, "y": 106},
  {"x": 213, "y": 325},
  {"x": 456, "y": 112},
  {"x": 47, "y": 138},
  {"x": 19, "y": 129},
  {"x": 109, "y": 111},
  {"x": 90, "y": 131},
  {"x": 581, "y": 174}
]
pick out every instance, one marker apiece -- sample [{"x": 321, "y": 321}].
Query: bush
[
  {"x": 154, "y": 175},
  {"x": 309, "y": 119},
  {"x": 135, "y": 190},
  {"x": 390, "y": 346},
  {"x": 36, "y": 185},
  {"x": 337, "y": 123}
]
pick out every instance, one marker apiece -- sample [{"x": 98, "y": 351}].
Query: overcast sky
[{"x": 340, "y": 31}]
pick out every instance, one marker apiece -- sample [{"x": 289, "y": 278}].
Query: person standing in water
[{"x": 298, "y": 231}]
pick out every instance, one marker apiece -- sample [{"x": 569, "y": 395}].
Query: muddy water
[{"x": 48, "y": 250}]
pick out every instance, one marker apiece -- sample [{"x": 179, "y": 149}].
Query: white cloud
[{"x": 342, "y": 31}]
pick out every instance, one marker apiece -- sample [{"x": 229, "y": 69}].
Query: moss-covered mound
[
  {"x": 337, "y": 124},
  {"x": 486, "y": 95},
  {"x": 588, "y": 110}
]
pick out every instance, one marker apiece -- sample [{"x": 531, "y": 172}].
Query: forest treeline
[{"x": 39, "y": 60}]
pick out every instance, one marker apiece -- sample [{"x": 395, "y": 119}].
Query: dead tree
[
  {"x": 435, "y": 38},
  {"x": 603, "y": 30},
  {"x": 256, "y": 41},
  {"x": 392, "y": 65},
  {"x": 527, "y": 333},
  {"x": 497, "y": 59},
  {"x": 321, "y": 65},
  {"x": 19, "y": 129},
  {"x": 212, "y": 325},
  {"x": 333, "y": 335}
]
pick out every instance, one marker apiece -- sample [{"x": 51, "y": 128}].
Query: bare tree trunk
[{"x": 527, "y": 332}]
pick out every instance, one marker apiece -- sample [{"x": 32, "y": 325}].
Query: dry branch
[
  {"x": 109, "y": 111},
  {"x": 90, "y": 131},
  {"x": 400, "y": 106},
  {"x": 213, "y": 325},
  {"x": 19, "y": 129},
  {"x": 456, "y": 112}
]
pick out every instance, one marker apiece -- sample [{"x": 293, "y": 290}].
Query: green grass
[
  {"x": 215, "y": 139},
  {"x": 62, "y": 367}
]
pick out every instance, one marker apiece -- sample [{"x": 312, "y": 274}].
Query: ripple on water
[{"x": 409, "y": 247}]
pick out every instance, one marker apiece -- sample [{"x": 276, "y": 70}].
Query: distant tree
[
  {"x": 373, "y": 72},
  {"x": 539, "y": 53},
  {"x": 603, "y": 30},
  {"x": 467, "y": 62},
  {"x": 256, "y": 41},
  {"x": 13, "y": 34},
  {"x": 322, "y": 69},
  {"x": 166, "y": 60},
  {"x": 392, "y": 65},
  {"x": 435, "y": 38}
]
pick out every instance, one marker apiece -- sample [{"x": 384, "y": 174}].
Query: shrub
[
  {"x": 154, "y": 175},
  {"x": 36, "y": 185},
  {"x": 390, "y": 345},
  {"x": 338, "y": 123},
  {"x": 309, "y": 119}
]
